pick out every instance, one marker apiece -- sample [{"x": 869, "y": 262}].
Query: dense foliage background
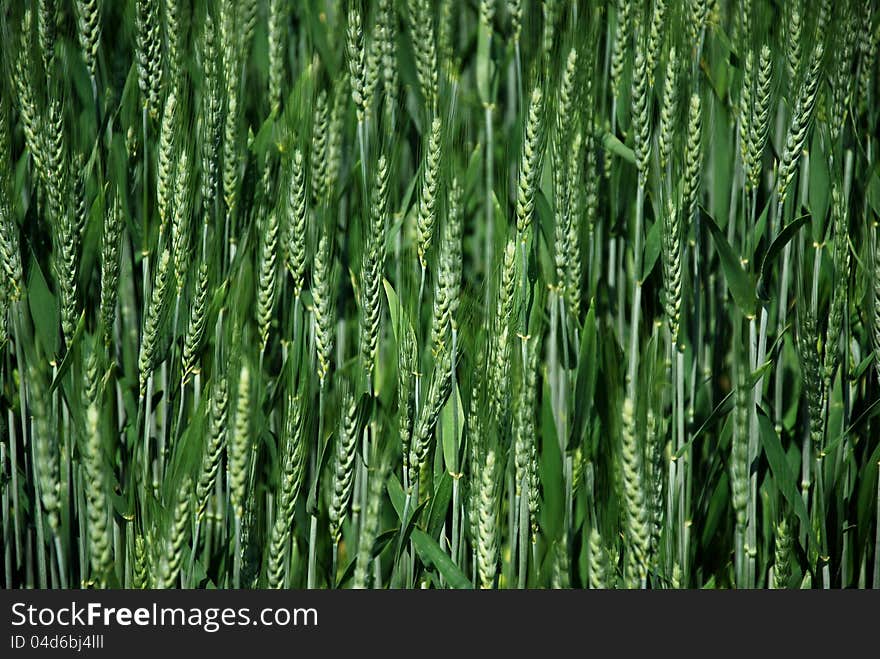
[{"x": 445, "y": 294}]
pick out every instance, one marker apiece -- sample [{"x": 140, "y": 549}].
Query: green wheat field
[{"x": 439, "y": 294}]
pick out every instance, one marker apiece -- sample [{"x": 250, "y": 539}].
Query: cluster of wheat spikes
[{"x": 406, "y": 293}]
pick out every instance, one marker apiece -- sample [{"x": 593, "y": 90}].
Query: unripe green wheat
[
  {"x": 381, "y": 133},
  {"x": 801, "y": 116},
  {"x": 324, "y": 306},
  {"x": 746, "y": 108},
  {"x": 373, "y": 264},
  {"x": 372, "y": 64},
  {"x": 25, "y": 77},
  {"x": 277, "y": 38},
  {"x": 10, "y": 257},
  {"x": 601, "y": 575},
  {"x": 573, "y": 225},
  {"x": 591, "y": 176},
  {"x": 668, "y": 109},
  {"x": 782, "y": 557},
  {"x": 868, "y": 54},
  {"x": 57, "y": 185},
  {"x": 141, "y": 569},
  {"x": 296, "y": 223},
  {"x": 231, "y": 154},
  {"x": 673, "y": 251},
  {"x": 808, "y": 349},
  {"x": 568, "y": 98},
  {"x": 78, "y": 174},
  {"x": 823, "y": 18},
  {"x": 248, "y": 15},
  {"x": 697, "y": 20},
  {"x": 656, "y": 444},
  {"x": 641, "y": 111},
  {"x": 149, "y": 54},
  {"x": 335, "y": 137},
  {"x": 561, "y": 220},
  {"x": 370, "y": 526},
  {"x": 561, "y": 175},
  {"x": 92, "y": 391},
  {"x": 550, "y": 10},
  {"x": 841, "y": 77},
  {"x": 153, "y": 321},
  {"x": 110, "y": 242},
  {"x": 525, "y": 439},
  {"x": 99, "y": 532},
  {"x": 515, "y": 11},
  {"x": 487, "y": 521},
  {"x": 230, "y": 38},
  {"x": 446, "y": 296},
  {"x": 742, "y": 26},
  {"x": 406, "y": 366},
  {"x": 760, "y": 122},
  {"x": 387, "y": 34},
  {"x": 293, "y": 461},
  {"x": 534, "y": 494},
  {"x": 619, "y": 47},
  {"x": 693, "y": 160},
  {"x": 739, "y": 457},
  {"x": 655, "y": 39},
  {"x": 212, "y": 115},
  {"x": 181, "y": 224},
  {"x": 357, "y": 68},
  {"x": 268, "y": 275},
  {"x": 875, "y": 283},
  {"x": 675, "y": 581},
  {"x": 198, "y": 320},
  {"x": 839, "y": 292},
  {"x": 165, "y": 168},
  {"x": 632, "y": 477},
  {"x": 47, "y": 19},
  {"x": 500, "y": 346},
  {"x": 214, "y": 442},
  {"x": 422, "y": 26},
  {"x": 445, "y": 50},
  {"x": 238, "y": 449},
  {"x": 318, "y": 158},
  {"x": 46, "y": 449},
  {"x": 88, "y": 30},
  {"x": 487, "y": 12},
  {"x": 175, "y": 539},
  {"x": 427, "y": 216},
  {"x": 793, "y": 43},
  {"x": 174, "y": 34},
  {"x": 343, "y": 466},
  {"x": 530, "y": 164},
  {"x": 438, "y": 394}
]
